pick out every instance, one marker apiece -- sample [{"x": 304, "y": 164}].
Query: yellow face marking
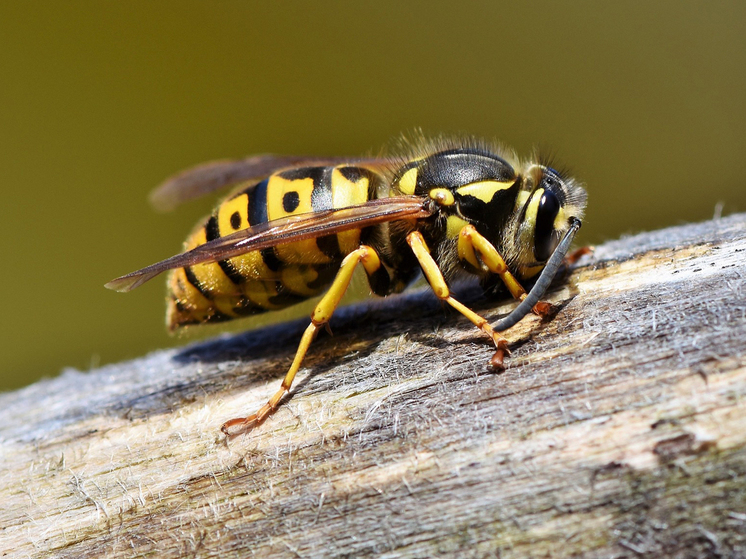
[
  {"x": 560, "y": 222},
  {"x": 442, "y": 196},
  {"x": 522, "y": 198},
  {"x": 525, "y": 237},
  {"x": 533, "y": 208},
  {"x": 408, "y": 181},
  {"x": 454, "y": 224},
  {"x": 484, "y": 190}
]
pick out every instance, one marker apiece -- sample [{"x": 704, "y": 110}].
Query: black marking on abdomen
[
  {"x": 216, "y": 316},
  {"x": 352, "y": 174},
  {"x": 257, "y": 199},
  {"x": 329, "y": 245},
  {"x": 179, "y": 305},
  {"x": 212, "y": 229},
  {"x": 285, "y": 297},
  {"x": 321, "y": 197},
  {"x": 290, "y": 201},
  {"x": 231, "y": 272},
  {"x": 236, "y": 220},
  {"x": 246, "y": 307},
  {"x": 191, "y": 278},
  {"x": 356, "y": 174},
  {"x": 326, "y": 273},
  {"x": 212, "y": 232},
  {"x": 271, "y": 259}
]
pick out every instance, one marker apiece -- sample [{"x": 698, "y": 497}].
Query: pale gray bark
[{"x": 617, "y": 430}]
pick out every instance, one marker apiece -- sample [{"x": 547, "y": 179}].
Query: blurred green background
[{"x": 645, "y": 102}]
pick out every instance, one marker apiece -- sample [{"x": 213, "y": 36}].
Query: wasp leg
[
  {"x": 576, "y": 255},
  {"x": 440, "y": 288},
  {"x": 319, "y": 319},
  {"x": 471, "y": 243}
]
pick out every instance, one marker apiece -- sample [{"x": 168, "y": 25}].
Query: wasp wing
[
  {"x": 282, "y": 231},
  {"x": 208, "y": 177}
]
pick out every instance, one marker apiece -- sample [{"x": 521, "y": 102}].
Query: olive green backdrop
[{"x": 645, "y": 102}]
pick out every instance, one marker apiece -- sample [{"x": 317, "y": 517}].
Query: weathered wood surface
[{"x": 617, "y": 430}]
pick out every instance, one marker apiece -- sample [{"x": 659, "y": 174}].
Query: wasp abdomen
[{"x": 279, "y": 276}]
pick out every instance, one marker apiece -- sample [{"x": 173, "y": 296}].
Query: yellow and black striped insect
[{"x": 299, "y": 226}]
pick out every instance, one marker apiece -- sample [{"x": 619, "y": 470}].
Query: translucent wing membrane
[
  {"x": 208, "y": 177},
  {"x": 281, "y": 231}
]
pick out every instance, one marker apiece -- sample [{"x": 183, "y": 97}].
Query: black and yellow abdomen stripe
[{"x": 276, "y": 277}]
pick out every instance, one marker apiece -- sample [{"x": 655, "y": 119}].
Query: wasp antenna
[{"x": 541, "y": 285}]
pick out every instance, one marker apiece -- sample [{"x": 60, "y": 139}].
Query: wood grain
[{"x": 617, "y": 430}]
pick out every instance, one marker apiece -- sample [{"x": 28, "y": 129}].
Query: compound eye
[{"x": 546, "y": 237}]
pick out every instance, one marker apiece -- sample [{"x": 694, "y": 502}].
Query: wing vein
[{"x": 283, "y": 231}]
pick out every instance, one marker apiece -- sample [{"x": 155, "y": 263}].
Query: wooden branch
[{"x": 617, "y": 430}]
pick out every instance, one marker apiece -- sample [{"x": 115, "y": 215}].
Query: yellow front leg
[
  {"x": 471, "y": 244},
  {"x": 438, "y": 283},
  {"x": 319, "y": 318}
]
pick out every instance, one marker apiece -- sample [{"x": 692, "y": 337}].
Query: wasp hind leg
[
  {"x": 439, "y": 286},
  {"x": 319, "y": 319}
]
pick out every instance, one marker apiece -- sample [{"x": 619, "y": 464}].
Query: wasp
[{"x": 297, "y": 227}]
